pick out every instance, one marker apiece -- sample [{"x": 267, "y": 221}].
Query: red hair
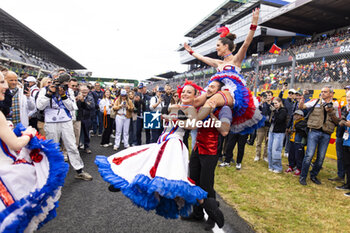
[{"x": 181, "y": 87}]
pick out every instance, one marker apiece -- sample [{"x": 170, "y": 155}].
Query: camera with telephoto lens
[
  {"x": 328, "y": 105},
  {"x": 264, "y": 95},
  {"x": 62, "y": 81}
]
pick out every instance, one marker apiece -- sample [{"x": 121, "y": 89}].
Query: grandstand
[
  {"x": 24, "y": 51},
  {"x": 317, "y": 31}
]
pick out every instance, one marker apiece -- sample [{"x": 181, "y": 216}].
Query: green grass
[{"x": 278, "y": 203}]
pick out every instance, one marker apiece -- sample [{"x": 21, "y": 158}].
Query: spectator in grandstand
[
  {"x": 124, "y": 107},
  {"x": 133, "y": 121},
  {"x": 58, "y": 104},
  {"x": 114, "y": 91},
  {"x": 276, "y": 135},
  {"x": 344, "y": 125},
  {"x": 105, "y": 107},
  {"x": 323, "y": 118},
  {"x": 127, "y": 88},
  {"x": 22, "y": 102},
  {"x": 86, "y": 108},
  {"x": 142, "y": 105},
  {"x": 74, "y": 91},
  {"x": 157, "y": 104},
  {"x": 262, "y": 133},
  {"x": 232, "y": 140},
  {"x": 298, "y": 134},
  {"x": 97, "y": 117}
]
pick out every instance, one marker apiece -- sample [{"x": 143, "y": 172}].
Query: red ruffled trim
[{"x": 249, "y": 113}]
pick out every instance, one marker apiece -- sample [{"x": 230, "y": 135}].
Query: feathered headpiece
[
  {"x": 181, "y": 87},
  {"x": 223, "y": 30}
]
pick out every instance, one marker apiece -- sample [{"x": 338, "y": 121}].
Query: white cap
[
  {"x": 292, "y": 90},
  {"x": 30, "y": 79},
  {"x": 123, "y": 92}
]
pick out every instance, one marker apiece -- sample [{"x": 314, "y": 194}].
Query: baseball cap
[
  {"x": 347, "y": 87},
  {"x": 299, "y": 112},
  {"x": 300, "y": 92},
  {"x": 292, "y": 90},
  {"x": 30, "y": 79},
  {"x": 161, "y": 89},
  {"x": 140, "y": 86},
  {"x": 123, "y": 92}
]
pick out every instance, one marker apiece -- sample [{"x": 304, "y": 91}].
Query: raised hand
[
  {"x": 187, "y": 47},
  {"x": 255, "y": 17}
]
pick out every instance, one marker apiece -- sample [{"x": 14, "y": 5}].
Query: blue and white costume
[
  {"x": 30, "y": 184},
  {"x": 153, "y": 175}
]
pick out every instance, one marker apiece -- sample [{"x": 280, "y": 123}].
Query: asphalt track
[{"x": 87, "y": 206}]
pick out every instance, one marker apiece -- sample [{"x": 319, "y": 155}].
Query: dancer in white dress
[
  {"x": 32, "y": 172},
  {"x": 155, "y": 176}
]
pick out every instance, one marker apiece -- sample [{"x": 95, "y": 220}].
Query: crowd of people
[
  {"x": 303, "y": 127},
  {"x": 159, "y": 174}
]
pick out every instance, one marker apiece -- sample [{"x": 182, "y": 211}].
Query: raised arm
[
  {"x": 240, "y": 55},
  {"x": 207, "y": 60}
]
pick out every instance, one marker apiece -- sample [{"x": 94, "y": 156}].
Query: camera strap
[{"x": 61, "y": 105}]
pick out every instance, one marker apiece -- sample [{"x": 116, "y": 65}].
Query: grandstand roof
[
  {"x": 16, "y": 34},
  {"x": 215, "y": 15},
  {"x": 309, "y": 16},
  {"x": 168, "y": 75}
]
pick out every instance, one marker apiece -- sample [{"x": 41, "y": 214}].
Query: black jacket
[
  {"x": 266, "y": 111},
  {"x": 86, "y": 108},
  {"x": 6, "y": 104},
  {"x": 279, "y": 119},
  {"x": 341, "y": 129}
]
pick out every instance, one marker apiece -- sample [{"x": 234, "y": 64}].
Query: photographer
[
  {"x": 124, "y": 107},
  {"x": 57, "y": 104},
  {"x": 157, "y": 104},
  {"x": 322, "y": 120},
  {"x": 86, "y": 106},
  {"x": 261, "y": 133}
]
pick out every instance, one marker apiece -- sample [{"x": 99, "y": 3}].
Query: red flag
[{"x": 275, "y": 49}]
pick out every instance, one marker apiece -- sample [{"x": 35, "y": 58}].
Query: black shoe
[
  {"x": 193, "y": 218},
  {"x": 315, "y": 180},
  {"x": 209, "y": 224},
  {"x": 111, "y": 188},
  {"x": 347, "y": 194},
  {"x": 343, "y": 187},
  {"x": 211, "y": 207},
  {"x": 302, "y": 181},
  {"x": 336, "y": 179}
]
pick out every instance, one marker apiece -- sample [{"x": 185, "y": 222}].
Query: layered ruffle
[
  {"x": 246, "y": 114},
  {"x": 154, "y": 193},
  {"x": 38, "y": 207}
]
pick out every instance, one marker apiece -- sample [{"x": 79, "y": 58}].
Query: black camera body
[
  {"x": 328, "y": 105},
  {"x": 26, "y": 86},
  {"x": 62, "y": 82}
]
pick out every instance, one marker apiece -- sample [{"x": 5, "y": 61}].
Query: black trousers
[
  {"x": 107, "y": 131},
  {"x": 202, "y": 171},
  {"x": 139, "y": 126},
  {"x": 346, "y": 163},
  {"x": 221, "y": 141},
  {"x": 296, "y": 155},
  {"x": 85, "y": 128},
  {"x": 232, "y": 140}
]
